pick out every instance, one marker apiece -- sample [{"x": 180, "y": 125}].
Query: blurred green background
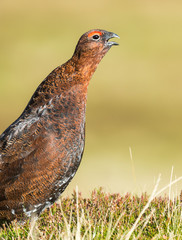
[{"x": 135, "y": 96}]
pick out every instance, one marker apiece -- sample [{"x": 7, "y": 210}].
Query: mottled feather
[{"x": 41, "y": 151}]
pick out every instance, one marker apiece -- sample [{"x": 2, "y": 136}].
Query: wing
[
  {"x": 17, "y": 143},
  {"x": 34, "y": 165},
  {"x": 19, "y": 140},
  {"x": 28, "y": 167}
]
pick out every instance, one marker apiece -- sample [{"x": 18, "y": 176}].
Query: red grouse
[{"x": 41, "y": 151}]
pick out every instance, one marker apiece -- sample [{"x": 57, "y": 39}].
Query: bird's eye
[{"x": 96, "y": 37}]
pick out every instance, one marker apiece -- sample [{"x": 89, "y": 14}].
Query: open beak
[{"x": 110, "y": 35}]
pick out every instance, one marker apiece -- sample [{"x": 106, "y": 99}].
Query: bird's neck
[{"x": 83, "y": 67}]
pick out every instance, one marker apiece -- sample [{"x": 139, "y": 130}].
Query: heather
[{"x": 104, "y": 216}]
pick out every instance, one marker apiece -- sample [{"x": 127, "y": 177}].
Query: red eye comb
[{"x": 93, "y": 33}]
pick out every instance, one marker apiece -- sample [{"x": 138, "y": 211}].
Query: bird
[{"x": 41, "y": 150}]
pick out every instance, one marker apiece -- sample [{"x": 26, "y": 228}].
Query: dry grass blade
[
  {"x": 145, "y": 223},
  {"x": 143, "y": 210},
  {"x": 110, "y": 232},
  {"x": 78, "y": 237}
]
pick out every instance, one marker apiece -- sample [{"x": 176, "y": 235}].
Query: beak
[{"x": 110, "y": 35}]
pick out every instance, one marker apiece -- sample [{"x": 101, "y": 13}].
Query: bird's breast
[{"x": 63, "y": 121}]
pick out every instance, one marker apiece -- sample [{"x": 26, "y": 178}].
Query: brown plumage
[{"x": 41, "y": 151}]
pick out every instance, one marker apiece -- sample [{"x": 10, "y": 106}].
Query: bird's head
[{"x": 95, "y": 44}]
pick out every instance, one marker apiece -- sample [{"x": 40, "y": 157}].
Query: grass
[{"x": 105, "y": 216}]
